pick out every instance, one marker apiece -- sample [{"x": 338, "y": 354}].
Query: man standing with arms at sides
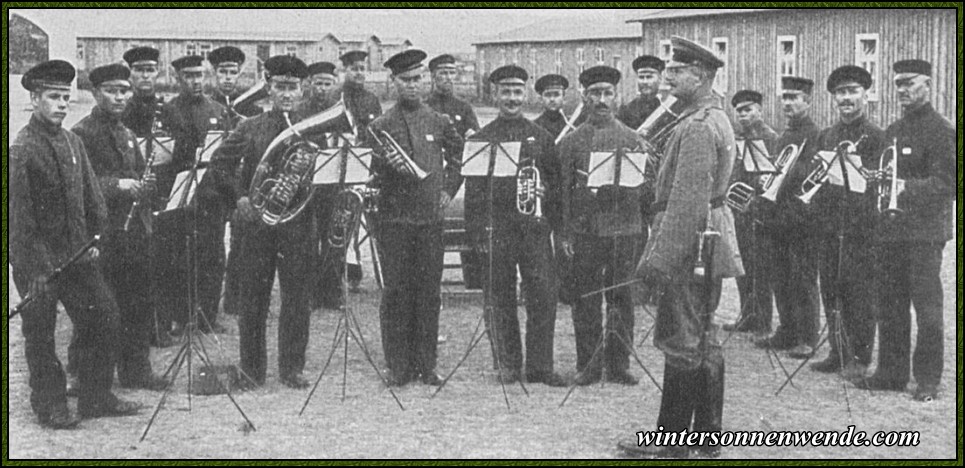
[
  {"x": 410, "y": 221},
  {"x": 118, "y": 165},
  {"x": 227, "y": 62},
  {"x": 635, "y": 112},
  {"x": 756, "y": 304},
  {"x": 601, "y": 233},
  {"x": 690, "y": 186},
  {"x": 793, "y": 261},
  {"x": 285, "y": 248},
  {"x": 518, "y": 240},
  {"x": 55, "y": 208},
  {"x": 912, "y": 240},
  {"x": 847, "y": 223},
  {"x": 188, "y": 118}
]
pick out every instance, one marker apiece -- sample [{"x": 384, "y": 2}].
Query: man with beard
[
  {"x": 846, "y": 223},
  {"x": 285, "y": 248},
  {"x": 518, "y": 240},
  {"x": 601, "y": 234},
  {"x": 410, "y": 221},
  {"x": 648, "y": 69}
]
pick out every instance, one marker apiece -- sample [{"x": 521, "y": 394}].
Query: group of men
[{"x": 675, "y": 230}]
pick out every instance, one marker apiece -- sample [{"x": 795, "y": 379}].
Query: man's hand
[
  {"x": 132, "y": 187},
  {"x": 38, "y": 286},
  {"x": 398, "y": 163},
  {"x": 93, "y": 253},
  {"x": 444, "y": 199},
  {"x": 245, "y": 211},
  {"x": 150, "y": 183},
  {"x": 566, "y": 246}
]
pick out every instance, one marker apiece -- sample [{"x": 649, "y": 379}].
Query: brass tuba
[
  {"x": 771, "y": 183},
  {"x": 282, "y": 184},
  {"x": 528, "y": 201},
  {"x": 346, "y": 216},
  {"x": 888, "y": 191}
]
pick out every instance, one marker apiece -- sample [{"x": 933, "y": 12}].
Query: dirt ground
[{"x": 469, "y": 419}]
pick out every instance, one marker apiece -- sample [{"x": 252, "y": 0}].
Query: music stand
[
  {"x": 489, "y": 159},
  {"x": 753, "y": 154}
]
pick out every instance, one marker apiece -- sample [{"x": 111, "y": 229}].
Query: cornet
[
  {"x": 888, "y": 169},
  {"x": 528, "y": 201},
  {"x": 391, "y": 147},
  {"x": 771, "y": 183},
  {"x": 346, "y": 215},
  {"x": 819, "y": 174},
  {"x": 739, "y": 196}
]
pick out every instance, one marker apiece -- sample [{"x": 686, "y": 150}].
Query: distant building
[{"x": 28, "y": 46}]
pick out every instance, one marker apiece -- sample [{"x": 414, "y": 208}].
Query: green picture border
[{"x": 622, "y": 5}]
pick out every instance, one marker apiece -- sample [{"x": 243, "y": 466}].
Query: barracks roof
[
  {"x": 697, "y": 12},
  {"x": 609, "y": 25}
]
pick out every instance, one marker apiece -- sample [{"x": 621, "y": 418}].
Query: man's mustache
[
  {"x": 846, "y": 103},
  {"x": 601, "y": 106}
]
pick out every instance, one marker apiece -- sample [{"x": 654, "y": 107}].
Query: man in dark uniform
[
  {"x": 410, "y": 222},
  {"x": 648, "y": 69},
  {"x": 285, "y": 248},
  {"x": 119, "y": 167},
  {"x": 55, "y": 208},
  {"x": 693, "y": 177},
  {"x": 188, "y": 118},
  {"x": 552, "y": 92},
  {"x": 756, "y": 304},
  {"x": 793, "y": 264},
  {"x": 518, "y": 240},
  {"x": 602, "y": 232},
  {"x": 321, "y": 89},
  {"x": 227, "y": 62},
  {"x": 846, "y": 221},
  {"x": 911, "y": 242}
]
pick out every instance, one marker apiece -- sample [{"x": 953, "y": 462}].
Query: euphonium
[
  {"x": 658, "y": 127},
  {"x": 888, "y": 169},
  {"x": 771, "y": 183},
  {"x": 346, "y": 215},
  {"x": 739, "y": 196},
  {"x": 391, "y": 147},
  {"x": 528, "y": 201}
]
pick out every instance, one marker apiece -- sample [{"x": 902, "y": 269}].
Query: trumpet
[
  {"x": 528, "y": 201},
  {"x": 390, "y": 147},
  {"x": 771, "y": 183},
  {"x": 739, "y": 196},
  {"x": 346, "y": 216},
  {"x": 888, "y": 169},
  {"x": 816, "y": 178}
]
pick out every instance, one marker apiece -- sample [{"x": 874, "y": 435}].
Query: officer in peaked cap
[{"x": 687, "y": 52}]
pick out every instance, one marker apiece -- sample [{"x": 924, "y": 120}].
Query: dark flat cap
[
  {"x": 226, "y": 55},
  {"x": 321, "y": 68},
  {"x": 648, "y": 61},
  {"x": 285, "y": 65},
  {"x": 509, "y": 74},
  {"x": 912, "y": 66},
  {"x": 849, "y": 74},
  {"x": 795, "y": 84},
  {"x": 405, "y": 61},
  {"x": 442, "y": 60},
  {"x": 599, "y": 74},
  {"x": 141, "y": 54},
  {"x": 187, "y": 61},
  {"x": 746, "y": 96},
  {"x": 114, "y": 71},
  {"x": 548, "y": 81},
  {"x": 52, "y": 74},
  {"x": 692, "y": 53},
  {"x": 353, "y": 56}
]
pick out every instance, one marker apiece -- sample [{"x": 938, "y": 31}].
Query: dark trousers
[
  {"x": 855, "y": 290},
  {"x": 525, "y": 245},
  {"x": 755, "y": 286},
  {"x": 286, "y": 249},
  {"x": 412, "y": 257},
  {"x": 599, "y": 262},
  {"x": 794, "y": 278},
  {"x": 232, "y": 276},
  {"x": 911, "y": 274},
  {"x": 90, "y": 305}
]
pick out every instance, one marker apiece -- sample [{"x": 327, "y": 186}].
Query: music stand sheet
[
  {"x": 755, "y": 156},
  {"x": 212, "y": 141},
  {"x": 185, "y": 184},
  {"x": 476, "y": 156},
  {"x": 856, "y": 181},
  {"x": 603, "y": 167},
  {"x": 162, "y": 147},
  {"x": 358, "y": 164}
]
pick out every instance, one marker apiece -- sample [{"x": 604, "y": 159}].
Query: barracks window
[
  {"x": 786, "y": 57},
  {"x": 720, "y": 48},
  {"x": 866, "y": 53}
]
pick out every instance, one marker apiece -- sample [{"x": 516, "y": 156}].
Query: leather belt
[{"x": 661, "y": 206}]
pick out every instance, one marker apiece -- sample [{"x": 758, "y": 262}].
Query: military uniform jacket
[
  {"x": 235, "y": 114},
  {"x": 613, "y": 210},
  {"x": 141, "y": 112},
  {"x": 926, "y": 162},
  {"x": 696, "y": 168},
  {"x": 188, "y": 119},
  {"x": 536, "y": 148},
  {"x": 459, "y": 112},
  {"x": 114, "y": 155},
  {"x": 552, "y": 121},
  {"x": 790, "y": 216},
  {"x": 635, "y": 112},
  {"x": 432, "y": 143},
  {"x": 55, "y": 204},
  {"x": 363, "y": 106},
  {"x": 833, "y": 206}
]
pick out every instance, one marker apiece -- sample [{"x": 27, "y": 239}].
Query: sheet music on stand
[
  {"x": 621, "y": 168},
  {"x": 484, "y": 158},
  {"x": 183, "y": 191},
  {"x": 754, "y": 155},
  {"x": 856, "y": 180},
  {"x": 161, "y": 146},
  {"x": 212, "y": 141},
  {"x": 349, "y": 165}
]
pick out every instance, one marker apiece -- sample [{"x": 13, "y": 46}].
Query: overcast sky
[{"x": 435, "y": 30}]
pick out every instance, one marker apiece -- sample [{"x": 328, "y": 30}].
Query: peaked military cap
[
  {"x": 648, "y": 61},
  {"x": 692, "y": 53},
  {"x": 52, "y": 74},
  {"x": 114, "y": 71},
  {"x": 405, "y": 61},
  {"x": 141, "y": 54},
  {"x": 549, "y": 81},
  {"x": 353, "y": 56},
  {"x": 912, "y": 67},
  {"x": 321, "y": 68},
  {"x": 187, "y": 61},
  {"x": 599, "y": 74},
  {"x": 285, "y": 65},
  {"x": 509, "y": 74},
  {"x": 849, "y": 74},
  {"x": 226, "y": 55},
  {"x": 795, "y": 84},
  {"x": 442, "y": 60},
  {"x": 745, "y": 97}
]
